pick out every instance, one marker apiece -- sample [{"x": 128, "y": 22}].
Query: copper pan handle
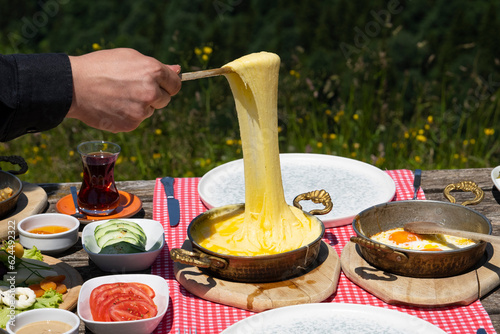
[
  {"x": 317, "y": 196},
  {"x": 383, "y": 250},
  {"x": 464, "y": 186},
  {"x": 197, "y": 259}
]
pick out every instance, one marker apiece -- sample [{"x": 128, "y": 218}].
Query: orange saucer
[{"x": 129, "y": 205}]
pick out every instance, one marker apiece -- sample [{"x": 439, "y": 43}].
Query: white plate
[
  {"x": 353, "y": 185},
  {"x": 494, "y": 177},
  {"x": 332, "y": 318}
]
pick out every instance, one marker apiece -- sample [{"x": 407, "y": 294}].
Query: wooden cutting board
[
  {"x": 32, "y": 200},
  {"x": 73, "y": 281},
  {"x": 312, "y": 287},
  {"x": 428, "y": 292}
]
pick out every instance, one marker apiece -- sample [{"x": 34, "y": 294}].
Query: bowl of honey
[{"x": 49, "y": 232}]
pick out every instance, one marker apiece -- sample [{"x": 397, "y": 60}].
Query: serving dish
[
  {"x": 322, "y": 318},
  {"x": 495, "y": 177},
  {"x": 121, "y": 263},
  {"x": 48, "y": 243},
  {"x": 414, "y": 263},
  {"x": 12, "y": 181},
  {"x": 353, "y": 185},
  {"x": 44, "y": 314},
  {"x": 261, "y": 268},
  {"x": 143, "y": 326}
]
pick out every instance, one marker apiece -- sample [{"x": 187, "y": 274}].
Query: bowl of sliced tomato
[{"x": 125, "y": 304}]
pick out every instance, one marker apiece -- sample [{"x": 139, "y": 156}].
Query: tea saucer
[{"x": 129, "y": 205}]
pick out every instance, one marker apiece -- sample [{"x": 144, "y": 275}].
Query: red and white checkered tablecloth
[{"x": 189, "y": 311}]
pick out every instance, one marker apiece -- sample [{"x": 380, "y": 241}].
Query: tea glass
[{"x": 98, "y": 195}]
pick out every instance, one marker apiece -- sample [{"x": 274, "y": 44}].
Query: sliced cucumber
[
  {"x": 137, "y": 230},
  {"x": 120, "y": 234},
  {"x": 121, "y": 247}
]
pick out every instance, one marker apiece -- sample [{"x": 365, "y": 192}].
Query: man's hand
[{"x": 115, "y": 90}]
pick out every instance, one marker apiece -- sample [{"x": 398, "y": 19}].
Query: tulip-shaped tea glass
[{"x": 98, "y": 195}]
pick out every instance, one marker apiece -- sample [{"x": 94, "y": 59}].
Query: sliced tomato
[
  {"x": 146, "y": 288},
  {"x": 103, "y": 297},
  {"x": 132, "y": 310}
]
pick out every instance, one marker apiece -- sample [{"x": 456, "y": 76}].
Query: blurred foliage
[{"x": 359, "y": 78}]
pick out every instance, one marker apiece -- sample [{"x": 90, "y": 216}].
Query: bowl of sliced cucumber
[{"x": 123, "y": 245}]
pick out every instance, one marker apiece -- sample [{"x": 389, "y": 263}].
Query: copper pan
[
  {"x": 252, "y": 269},
  {"x": 429, "y": 264}
]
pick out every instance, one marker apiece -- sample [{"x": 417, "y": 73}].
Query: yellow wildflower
[
  {"x": 280, "y": 129},
  {"x": 328, "y": 112},
  {"x": 156, "y": 156},
  {"x": 36, "y": 149},
  {"x": 204, "y": 57},
  {"x": 420, "y": 132},
  {"x": 472, "y": 141},
  {"x": 489, "y": 131},
  {"x": 71, "y": 153},
  {"x": 465, "y": 142},
  {"x": 158, "y": 132},
  {"x": 456, "y": 156},
  {"x": 417, "y": 158},
  {"x": 356, "y": 145},
  {"x": 422, "y": 138},
  {"x": 43, "y": 146},
  {"x": 355, "y": 117},
  {"x": 198, "y": 51},
  {"x": 407, "y": 135},
  {"x": 319, "y": 144},
  {"x": 119, "y": 160},
  {"x": 207, "y": 50},
  {"x": 430, "y": 119},
  {"x": 300, "y": 120},
  {"x": 332, "y": 136},
  {"x": 229, "y": 142},
  {"x": 133, "y": 159},
  {"x": 96, "y": 47},
  {"x": 353, "y": 154},
  {"x": 427, "y": 126}
]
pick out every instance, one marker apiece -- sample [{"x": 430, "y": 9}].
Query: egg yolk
[{"x": 401, "y": 237}]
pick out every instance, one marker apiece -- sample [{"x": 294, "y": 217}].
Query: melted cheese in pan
[
  {"x": 268, "y": 225},
  {"x": 398, "y": 237}
]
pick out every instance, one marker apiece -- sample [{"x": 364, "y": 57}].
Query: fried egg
[{"x": 398, "y": 237}]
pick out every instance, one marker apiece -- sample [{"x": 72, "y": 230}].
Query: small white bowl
[
  {"x": 495, "y": 173},
  {"x": 143, "y": 326},
  {"x": 48, "y": 243},
  {"x": 122, "y": 263},
  {"x": 43, "y": 314}
]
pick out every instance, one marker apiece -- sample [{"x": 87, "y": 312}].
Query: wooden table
[{"x": 433, "y": 184}]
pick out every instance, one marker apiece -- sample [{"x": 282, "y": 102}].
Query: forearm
[{"x": 36, "y": 93}]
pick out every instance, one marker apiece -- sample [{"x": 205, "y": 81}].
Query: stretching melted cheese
[{"x": 268, "y": 225}]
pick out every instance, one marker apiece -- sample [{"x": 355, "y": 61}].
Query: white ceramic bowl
[
  {"x": 42, "y": 314},
  {"x": 495, "y": 173},
  {"x": 143, "y": 326},
  {"x": 48, "y": 243},
  {"x": 122, "y": 263}
]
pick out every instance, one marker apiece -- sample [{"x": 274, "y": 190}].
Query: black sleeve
[{"x": 36, "y": 91}]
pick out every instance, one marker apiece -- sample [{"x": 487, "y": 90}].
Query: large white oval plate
[
  {"x": 332, "y": 318},
  {"x": 353, "y": 185}
]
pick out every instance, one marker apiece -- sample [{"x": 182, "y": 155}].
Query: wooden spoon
[
  {"x": 437, "y": 228},
  {"x": 205, "y": 74}
]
